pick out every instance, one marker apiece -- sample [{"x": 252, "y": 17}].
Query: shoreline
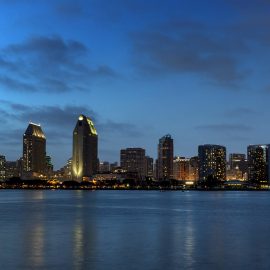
[{"x": 131, "y": 189}]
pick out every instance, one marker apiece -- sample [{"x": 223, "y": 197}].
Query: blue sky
[{"x": 198, "y": 70}]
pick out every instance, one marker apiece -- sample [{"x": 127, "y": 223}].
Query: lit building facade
[
  {"x": 133, "y": 160},
  {"x": 258, "y": 164},
  {"x": 114, "y": 166},
  {"x": 181, "y": 168},
  {"x": 49, "y": 167},
  {"x": 194, "y": 168},
  {"x": 34, "y": 151},
  {"x": 104, "y": 167},
  {"x": 212, "y": 162},
  {"x": 85, "y": 149},
  {"x": 165, "y": 158},
  {"x": 12, "y": 169},
  {"x": 149, "y": 165},
  {"x": 2, "y": 167},
  {"x": 238, "y": 161}
]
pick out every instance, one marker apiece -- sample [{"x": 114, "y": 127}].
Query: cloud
[
  {"x": 16, "y": 84},
  {"x": 182, "y": 47},
  {"x": 220, "y": 128},
  {"x": 49, "y": 64},
  {"x": 240, "y": 112},
  {"x": 123, "y": 129}
]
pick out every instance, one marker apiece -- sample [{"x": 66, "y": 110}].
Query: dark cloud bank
[{"x": 49, "y": 64}]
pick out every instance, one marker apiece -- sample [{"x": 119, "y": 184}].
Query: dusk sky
[{"x": 198, "y": 70}]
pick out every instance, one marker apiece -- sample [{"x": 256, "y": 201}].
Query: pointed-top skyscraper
[
  {"x": 85, "y": 149},
  {"x": 34, "y": 151}
]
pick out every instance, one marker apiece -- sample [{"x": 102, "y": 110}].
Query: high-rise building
[
  {"x": 49, "y": 167},
  {"x": 85, "y": 149},
  {"x": 165, "y": 158},
  {"x": 194, "y": 169},
  {"x": 2, "y": 167},
  {"x": 238, "y": 161},
  {"x": 212, "y": 162},
  {"x": 132, "y": 160},
  {"x": 149, "y": 165},
  {"x": 237, "y": 167},
  {"x": 259, "y": 164},
  {"x": 12, "y": 169},
  {"x": 68, "y": 169},
  {"x": 181, "y": 168},
  {"x": 114, "y": 166},
  {"x": 34, "y": 151},
  {"x": 104, "y": 167}
]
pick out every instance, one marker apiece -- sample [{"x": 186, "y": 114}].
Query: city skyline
[
  {"x": 195, "y": 69},
  {"x": 211, "y": 163},
  {"x": 37, "y": 130}
]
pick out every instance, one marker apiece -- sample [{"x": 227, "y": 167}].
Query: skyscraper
[
  {"x": 85, "y": 149},
  {"x": 238, "y": 167},
  {"x": 2, "y": 167},
  {"x": 259, "y": 164},
  {"x": 181, "y": 168},
  {"x": 34, "y": 151},
  {"x": 238, "y": 161},
  {"x": 212, "y": 162},
  {"x": 194, "y": 168},
  {"x": 165, "y": 158},
  {"x": 133, "y": 160},
  {"x": 12, "y": 169},
  {"x": 149, "y": 165},
  {"x": 104, "y": 167}
]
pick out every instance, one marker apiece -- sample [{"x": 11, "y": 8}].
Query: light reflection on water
[{"x": 134, "y": 230}]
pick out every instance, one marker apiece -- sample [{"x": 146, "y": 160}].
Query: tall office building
[
  {"x": 133, "y": 160},
  {"x": 238, "y": 165},
  {"x": 181, "y": 168},
  {"x": 2, "y": 167},
  {"x": 212, "y": 162},
  {"x": 165, "y": 158},
  {"x": 258, "y": 164},
  {"x": 149, "y": 165},
  {"x": 85, "y": 149},
  {"x": 49, "y": 167},
  {"x": 194, "y": 169},
  {"x": 104, "y": 167},
  {"x": 12, "y": 169},
  {"x": 34, "y": 151},
  {"x": 238, "y": 161}
]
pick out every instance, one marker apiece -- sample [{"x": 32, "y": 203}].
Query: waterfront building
[
  {"x": 49, "y": 167},
  {"x": 104, "y": 167},
  {"x": 85, "y": 149},
  {"x": 212, "y": 162},
  {"x": 12, "y": 169},
  {"x": 149, "y": 165},
  {"x": 114, "y": 166},
  {"x": 165, "y": 158},
  {"x": 181, "y": 168},
  {"x": 132, "y": 160},
  {"x": 238, "y": 161},
  {"x": 2, "y": 167},
  {"x": 238, "y": 167},
  {"x": 234, "y": 174},
  {"x": 258, "y": 164},
  {"x": 194, "y": 168},
  {"x": 34, "y": 152}
]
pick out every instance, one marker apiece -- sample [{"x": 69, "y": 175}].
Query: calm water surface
[{"x": 134, "y": 230}]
